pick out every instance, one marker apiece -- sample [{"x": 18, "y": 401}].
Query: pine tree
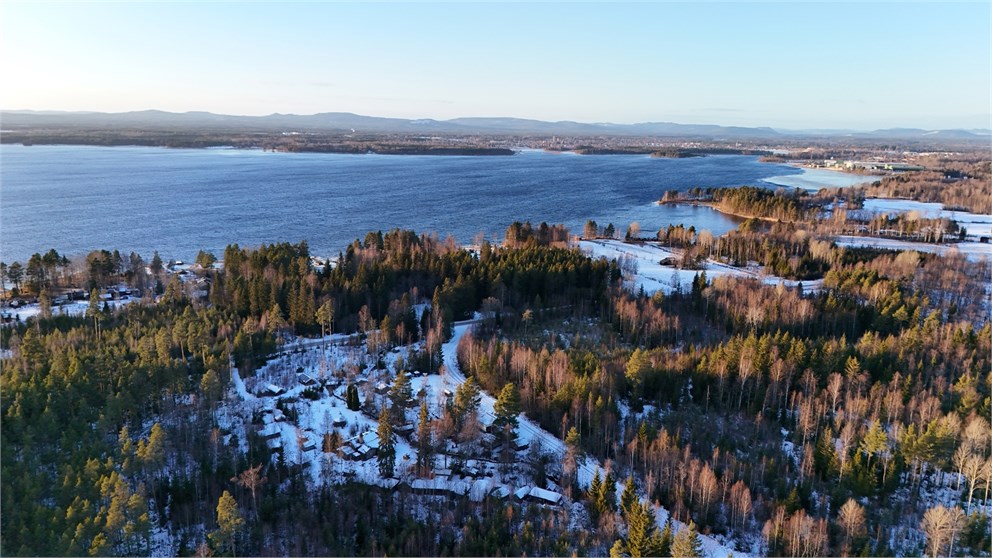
[
  {"x": 45, "y": 305},
  {"x": 686, "y": 543},
  {"x": 400, "y": 394},
  {"x": 152, "y": 453},
  {"x": 93, "y": 310},
  {"x": 467, "y": 398},
  {"x": 210, "y": 385},
  {"x": 325, "y": 317},
  {"x": 506, "y": 409},
  {"x": 229, "y": 524},
  {"x": 637, "y": 367},
  {"x": 387, "y": 449},
  {"x": 874, "y": 442},
  {"x": 156, "y": 265}
]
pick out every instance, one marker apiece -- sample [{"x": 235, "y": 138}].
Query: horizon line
[{"x": 566, "y": 121}]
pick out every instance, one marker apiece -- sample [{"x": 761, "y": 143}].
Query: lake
[{"x": 178, "y": 201}]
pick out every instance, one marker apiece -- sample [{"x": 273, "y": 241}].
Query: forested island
[{"x": 410, "y": 396}]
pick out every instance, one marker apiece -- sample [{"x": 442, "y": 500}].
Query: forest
[{"x": 850, "y": 419}]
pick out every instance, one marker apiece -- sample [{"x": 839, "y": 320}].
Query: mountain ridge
[{"x": 348, "y": 122}]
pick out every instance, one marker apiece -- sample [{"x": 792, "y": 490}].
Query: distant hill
[{"x": 347, "y": 122}]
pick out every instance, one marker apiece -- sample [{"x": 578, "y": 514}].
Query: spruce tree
[
  {"x": 351, "y": 398},
  {"x": 665, "y": 547},
  {"x": 387, "y": 449},
  {"x": 642, "y": 533},
  {"x": 425, "y": 440},
  {"x": 506, "y": 409},
  {"x": 629, "y": 496},
  {"x": 608, "y": 493},
  {"x": 686, "y": 543},
  {"x": 595, "y": 488},
  {"x": 400, "y": 394}
]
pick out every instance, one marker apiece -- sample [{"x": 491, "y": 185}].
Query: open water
[{"x": 178, "y": 201}]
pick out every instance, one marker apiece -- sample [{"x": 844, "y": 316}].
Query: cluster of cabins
[
  {"x": 472, "y": 480},
  {"x": 476, "y": 489}
]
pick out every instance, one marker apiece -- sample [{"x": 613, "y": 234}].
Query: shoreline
[
  {"x": 718, "y": 209},
  {"x": 466, "y": 151},
  {"x": 813, "y": 179}
]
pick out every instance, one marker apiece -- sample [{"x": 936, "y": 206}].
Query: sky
[{"x": 788, "y": 65}]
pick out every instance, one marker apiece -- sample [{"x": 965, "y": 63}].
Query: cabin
[
  {"x": 537, "y": 495},
  {"x": 440, "y": 486},
  {"x": 362, "y": 447},
  {"x": 339, "y": 422},
  {"x": 270, "y": 432},
  {"x": 272, "y": 390},
  {"x": 309, "y": 443},
  {"x": 305, "y": 379}
]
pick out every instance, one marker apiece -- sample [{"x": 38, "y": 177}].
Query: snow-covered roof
[
  {"x": 547, "y": 495},
  {"x": 536, "y": 493}
]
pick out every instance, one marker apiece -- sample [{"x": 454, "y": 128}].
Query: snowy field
[
  {"x": 817, "y": 179},
  {"x": 974, "y": 251},
  {"x": 977, "y": 224},
  {"x": 75, "y": 308},
  {"x": 652, "y": 276}
]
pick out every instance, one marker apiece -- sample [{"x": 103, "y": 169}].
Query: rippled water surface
[{"x": 178, "y": 201}]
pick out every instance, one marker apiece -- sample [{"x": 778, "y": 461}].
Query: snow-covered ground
[
  {"x": 652, "y": 276},
  {"x": 816, "y": 179},
  {"x": 315, "y": 417},
  {"x": 975, "y": 251},
  {"x": 74, "y": 308},
  {"x": 976, "y": 224}
]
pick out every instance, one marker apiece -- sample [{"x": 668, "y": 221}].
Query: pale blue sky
[{"x": 786, "y": 65}]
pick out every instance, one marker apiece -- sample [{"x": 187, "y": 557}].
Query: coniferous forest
[{"x": 846, "y": 419}]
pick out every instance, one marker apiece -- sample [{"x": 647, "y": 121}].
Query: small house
[
  {"x": 537, "y": 495},
  {"x": 309, "y": 444},
  {"x": 543, "y": 496},
  {"x": 272, "y": 390},
  {"x": 270, "y": 432},
  {"x": 305, "y": 379}
]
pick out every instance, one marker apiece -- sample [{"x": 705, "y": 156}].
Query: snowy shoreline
[{"x": 817, "y": 179}]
